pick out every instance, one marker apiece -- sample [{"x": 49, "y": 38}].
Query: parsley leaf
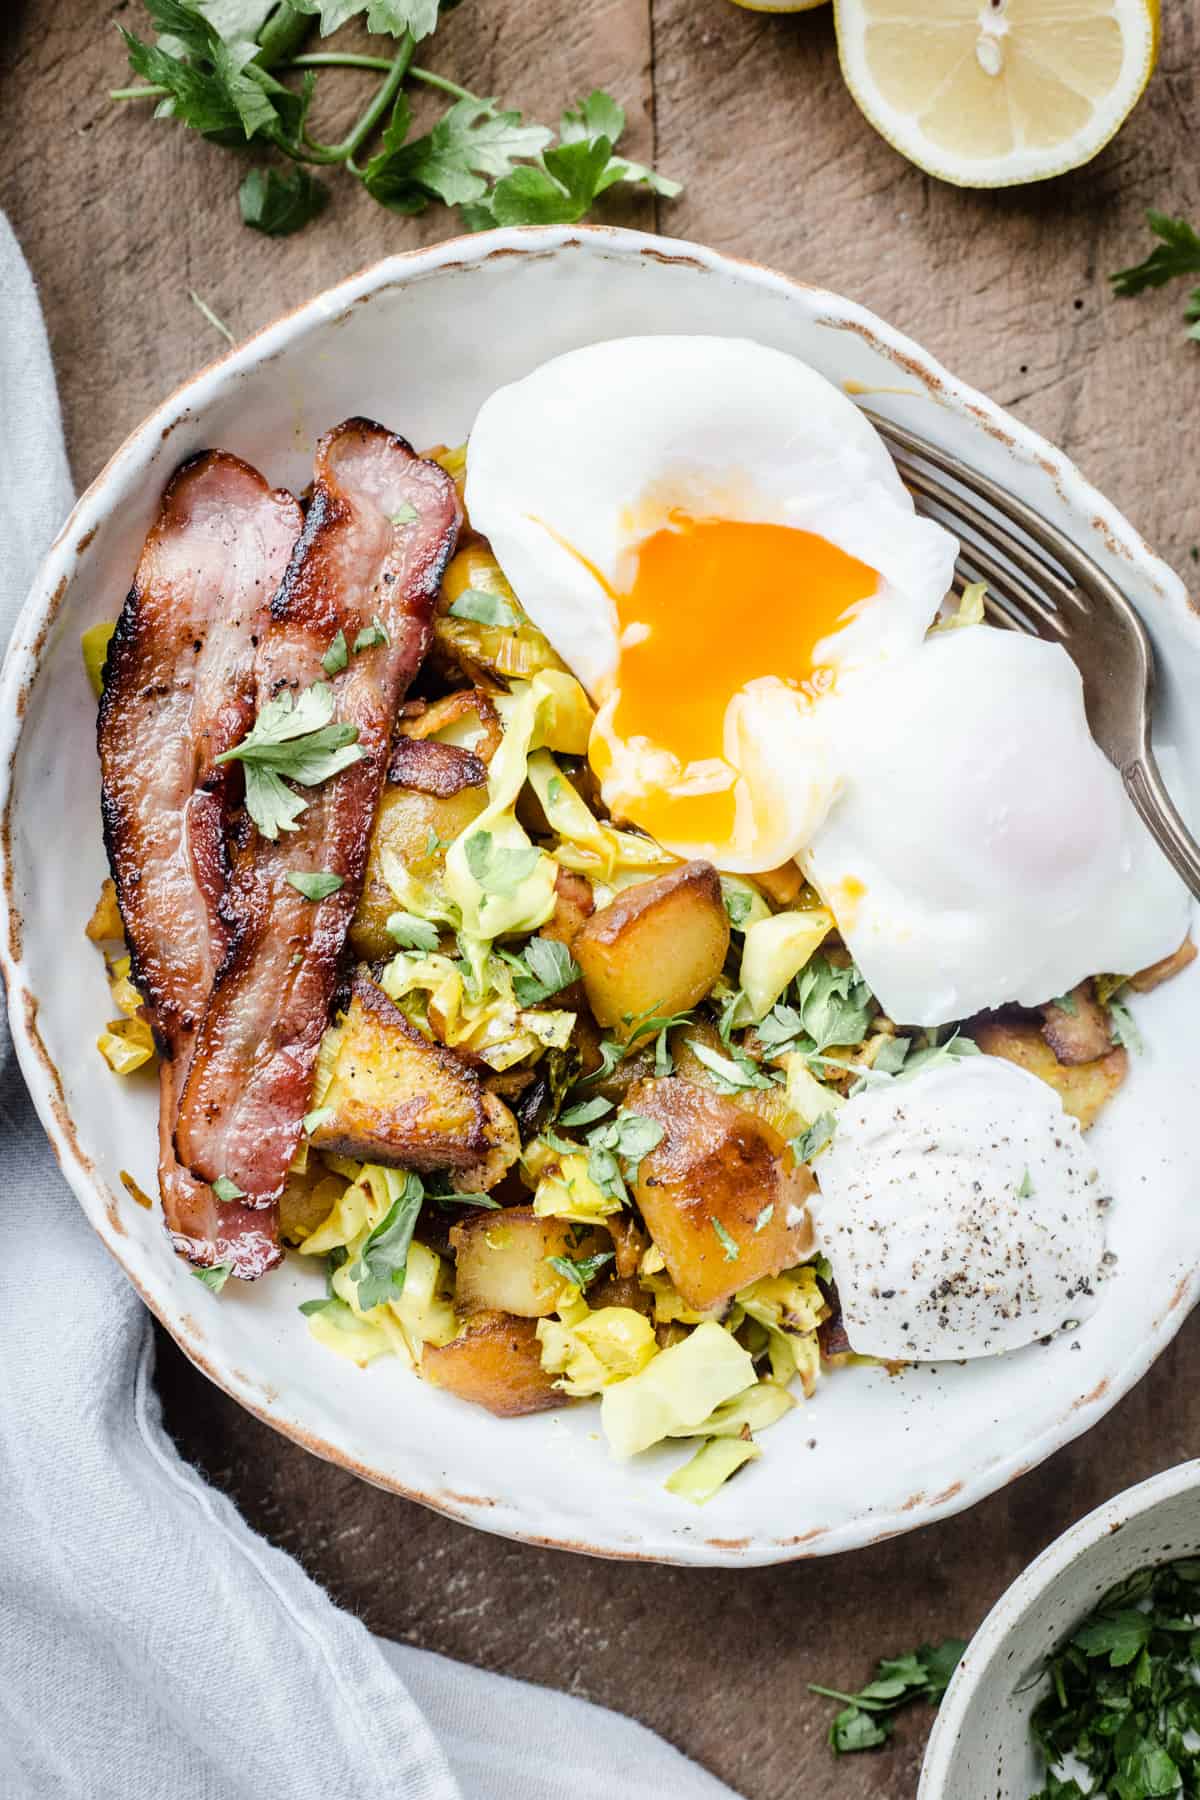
[
  {"x": 337, "y": 656},
  {"x": 729, "y": 1244},
  {"x": 1124, "y": 1029},
  {"x": 296, "y": 737},
  {"x": 867, "y": 1717},
  {"x": 497, "y": 869},
  {"x": 418, "y": 17},
  {"x": 378, "y": 1271},
  {"x": 370, "y": 635},
  {"x": 1177, "y": 253},
  {"x": 211, "y": 79},
  {"x": 616, "y": 1149},
  {"x": 227, "y": 1190},
  {"x": 278, "y": 204},
  {"x": 472, "y": 142},
  {"x": 484, "y": 608},
  {"x": 739, "y": 903},
  {"x": 314, "y": 884},
  {"x": 580, "y": 1273},
  {"x": 545, "y": 967},
  {"x": 764, "y": 1218},
  {"x": 411, "y": 932},
  {"x": 733, "y": 1074},
  {"x": 1025, "y": 1187},
  {"x": 808, "y": 1144},
  {"x": 214, "y": 1277},
  {"x": 586, "y": 1112}
]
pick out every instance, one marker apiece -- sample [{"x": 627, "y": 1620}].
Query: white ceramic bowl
[
  {"x": 980, "y": 1747},
  {"x": 418, "y": 342}
]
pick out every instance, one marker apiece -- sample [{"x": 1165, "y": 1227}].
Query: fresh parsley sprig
[
  {"x": 378, "y": 1271},
  {"x": 296, "y": 736},
  {"x": 214, "y": 72},
  {"x": 867, "y": 1718},
  {"x": 1176, "y": 253}
]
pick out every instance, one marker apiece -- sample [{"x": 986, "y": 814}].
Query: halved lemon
[{"x": 987, "y": 93}]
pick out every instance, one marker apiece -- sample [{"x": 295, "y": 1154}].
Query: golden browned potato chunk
[
  {"x": 1079, "y": 1031},
  {"x": 502, "y": 1148},
  {"x": 395, "y": 1098},
  {"x": 416, "y": 828},
  {"x": 720, "y": 1195},
  {"x": 1158, "y": 972},
  {"x": 1084, "y": 1088},
  {"x": 495, "y": 1361},
  {"x": 573, "y": 907},
  {"x": 503, "y": 1260},
  {"x": 656, "y": 948}
]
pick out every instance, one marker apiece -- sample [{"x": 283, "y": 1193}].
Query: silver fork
[{"x": 1039, "y": 582}]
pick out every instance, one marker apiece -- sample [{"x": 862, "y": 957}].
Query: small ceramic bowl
[
  {"x": 981, "y": 1747},
  {"x": 418, "y": 342}
]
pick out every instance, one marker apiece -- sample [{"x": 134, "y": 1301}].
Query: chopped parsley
[
  {"x": 868, "y": 1716},
  {"x": 808, "y": 1144},
  {"x": 485, "y": 608},
  {"x": 497, "y": 868},
  {"x": 729, "y": 1244},
  {"x": 1123, "y": 1700},
  {"x": 296, "y": 736},
  {"x": 411, "y": 932},
  {"x": 214, "y": 1278},
  {"x": 543, "y": 968},
  {"x": 582, "y": 1272},
  {"x": 370, "y": 635},
  {"x": 734, "y": 1073},
  {"x": 315, "y": 884},
  {"x": 227, "y": 1190},
  {"x": 337, "y": 656},
  {"x": 378, "y": 1271}
]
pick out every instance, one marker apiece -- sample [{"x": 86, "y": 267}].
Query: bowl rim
[
  {"x": 1022, "y": 1595},
  {"x": 1111, "y": 534}
]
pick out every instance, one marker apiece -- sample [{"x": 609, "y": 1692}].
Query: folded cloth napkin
[{"x": 150, "y": 1645}]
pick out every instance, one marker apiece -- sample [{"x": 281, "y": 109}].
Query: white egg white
[
  {"x": 983, "y": 849},
  {"x": 570, "y": 469},
  {"x": 961, "y": 1214}
]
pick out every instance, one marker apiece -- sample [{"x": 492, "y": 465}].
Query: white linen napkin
[{"x": 151, "y": 1647}]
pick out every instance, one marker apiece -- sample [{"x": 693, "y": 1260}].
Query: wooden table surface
[{"x": 121, "y": 216}]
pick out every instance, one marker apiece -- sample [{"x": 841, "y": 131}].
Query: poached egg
[
  {"x": 715, "y": 540},
  {"x": 960, "y": 1212}
]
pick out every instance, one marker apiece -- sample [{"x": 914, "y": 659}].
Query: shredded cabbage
[
  {"x": 566, "y": 1191},
  {"x": 788, "y": 1308},
  {"x": 776, "y": 949},
  {"x": 703, "y": 1474},
  {"x": 676, "y": 1391},
  {"x": 126, "y": 1043},
  {"x": 807, "y": 1097},
  {"x": 591, "y": 1351}
]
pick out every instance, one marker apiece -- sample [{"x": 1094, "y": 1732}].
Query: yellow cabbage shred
[
  {"x": 788, "y": 1308},
  {"x": 775, "y": 951},
  {"x": 127, "y": 1043},
  {"x": 586, "y": 844},
  {"x": 711, "y": 1467},
  {"x": 94, "y": 645},
  {"x": 490, "y": 1024},
  {"x": 676, "y": 1391},
  {"x": 566, "y": 1191},
  {"x": 592, "y": 1351}
]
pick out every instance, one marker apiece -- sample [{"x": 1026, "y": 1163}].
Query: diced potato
[
  {"x": 1079, "y": 1031},
  {"x": 1158, "y": 972},
  {"x": 395, "y": 1098},
  {"x": 416, "y": 828},
  {"x": 720, "y": 1195},
  {"x": 656, "y": 948},
  {"x": 503, "y": 1147},
  {"x": 502, "y": 1260},
  {"x": 494, "y": 1362},
  {"x": 573, "y": 907},
  {"x": 769, "y": 1104},
  {"x": 1085, "y": 1088}
]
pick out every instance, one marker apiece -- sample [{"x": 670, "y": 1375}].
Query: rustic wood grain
[{"x": 121, "y": 217}]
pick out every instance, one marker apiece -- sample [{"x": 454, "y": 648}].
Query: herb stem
[
  {"x": 283, "y": 32},
  {"x": 440, "y": 82},
  {"x": 850, "y": 1699},
  {"x": 332, "y": 59},
  {"x": 385, "y": 94},
  {"x": 138, "y": 93}
]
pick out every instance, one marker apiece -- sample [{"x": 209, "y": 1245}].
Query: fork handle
[{"x": 1160, "y": 815}]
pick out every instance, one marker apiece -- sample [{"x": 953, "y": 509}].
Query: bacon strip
[
  {"x": 251, "y": 1076},
  {"x": 179, "y": 689}
]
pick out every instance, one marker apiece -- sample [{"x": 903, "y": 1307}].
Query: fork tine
[
  {"x": 1028, "y": 572},
  {"x": 1033, "y": 619},
  {"x": 974, "y": 557},
  {"x": 1081, "y": 571}
]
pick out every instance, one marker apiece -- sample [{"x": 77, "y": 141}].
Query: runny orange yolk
[{"x": 717, "y": 604}]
